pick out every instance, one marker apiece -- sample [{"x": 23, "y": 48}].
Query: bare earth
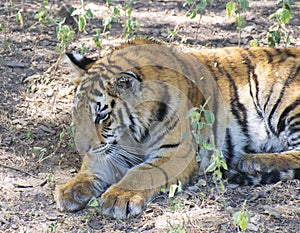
[{"x": 36, "y": 149}]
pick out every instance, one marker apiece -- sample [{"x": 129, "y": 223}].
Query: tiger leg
[
  {"x": 270, "y": 168},
  {"x": 75, "y": 194},
  {"x": 130, "y": 195}
]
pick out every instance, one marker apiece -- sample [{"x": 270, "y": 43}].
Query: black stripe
[
  {"x": 229, "y": 154},
  {"x": 287, "y": 83},
  {"x": 112, "y": 103},
  {"x": 161, "y": 112},
  {"x": 297, "y": 173},
  {"x": 294, "y": 130},
  {"x": 289, "y": 53},
  {"x": 281, "y": 122},
  {"x": 95, "y": 92},
  {"x": 269, "y": 55},
  {"x": 169, "y": 146},
  {"x": 254, "y": 76}
]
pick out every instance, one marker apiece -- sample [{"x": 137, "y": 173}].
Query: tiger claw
[{"x": 121, "y": 204}]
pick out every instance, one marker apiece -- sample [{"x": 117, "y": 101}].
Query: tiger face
[{"x": 130, "y": 114}]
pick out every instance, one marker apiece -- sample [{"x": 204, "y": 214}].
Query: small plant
[
  {"x": 196, "y": 7},
  {"x": 131, "y": 25},
  {"x": 82, "y": 14},
  {"x": 44, "y": 13},
  {"x": 51, "y": 180},
  {"x": 84, "y": 49},
  {"x": 64, "y": 35},
  {"x": 52, "y": 228},
  {"x": 242, "y": 218},
  {"x": 177, "y": 204},
  {"x": 41, "y": 152},
  {"x": 19, "y": 17},
  {"x": 283, "y": 16},
  {"x": 200, "y": 119},
  {"x": 234, "y": 9},
  {"x": 29, "y": 134}
]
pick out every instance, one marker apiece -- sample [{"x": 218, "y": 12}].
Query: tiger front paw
[
  {"x": 121, "y": 203},
  {"x": 74, "y": 195}
]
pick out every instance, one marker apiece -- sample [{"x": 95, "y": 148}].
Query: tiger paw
[
  {"x": 73, "y": 195},
  {"x": 121, "y": 203}
]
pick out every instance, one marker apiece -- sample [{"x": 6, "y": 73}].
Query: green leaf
[
  {"x": 202, "y": 5},
  {"x": 117, "y": 11},
  {"x": 36, "y": 148},
  {"x": 237, "y": 217},
  {"x": 89, "y": 14},
  {"x": 224, "y": 164},
  {"x": 286, "y": 16},
  {"x": 194, "y": 13},
  {"x": 39, "y": 15},
  {"x": 208, "y": 146},
  {"x": 212, "y": 167},
  {"x": 230, "y": 8},
  {"x": 106, "y": 21},
  {"x": 93, "y": 202},
  {"x": 243, "y": 223},
  {"x": 82, "y": 23},
  {"x": 245, "y": 4},
  {"x": 209, "y": 116}
]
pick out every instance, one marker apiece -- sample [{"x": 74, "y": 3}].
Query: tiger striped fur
[{"x": 130, "y": 114}]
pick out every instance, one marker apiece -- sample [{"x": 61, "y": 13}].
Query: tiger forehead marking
[{"x": 130, "y": 116}]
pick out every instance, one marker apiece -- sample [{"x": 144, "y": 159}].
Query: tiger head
[{"x": 103, "y": 112}]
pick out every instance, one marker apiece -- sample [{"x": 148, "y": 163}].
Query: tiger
[{"x": 130, "y": 115}]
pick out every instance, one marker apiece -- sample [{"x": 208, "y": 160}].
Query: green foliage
[
  {"x": 234, "y": 9},
  {"x": 52, "y": 228},
  {"x": 283, "y": 16},
  {"x": 131, "y": 25},
  {"x": 84, "y": 49},
  {"x": 82, "y": 14},
  {"x": 242, "y": 218},
  {"x": 44, "y": 14},
  {"x": 41, "y": 152},
  {"x": 196, "y": 7},
  {"x": 64, "y": 35},
  {"x": 200, "y": 119},
  {"x": 72, "y": 135},
  {"x": 19, "y": 17}
]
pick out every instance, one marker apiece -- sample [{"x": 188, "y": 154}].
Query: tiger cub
[{"x": 130, "y": 115}]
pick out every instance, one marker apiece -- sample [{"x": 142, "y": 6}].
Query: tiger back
[{"x": 130, "y": 116}]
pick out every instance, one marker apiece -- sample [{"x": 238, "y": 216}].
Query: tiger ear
[{"x": 80, "y": 65}]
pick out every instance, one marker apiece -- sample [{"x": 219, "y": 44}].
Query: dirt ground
[{"x": 36, "y": 149}]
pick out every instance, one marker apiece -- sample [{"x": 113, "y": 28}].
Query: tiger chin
[{"x": 130, "y": 115}]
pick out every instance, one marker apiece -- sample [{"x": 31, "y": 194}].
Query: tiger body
[{"x": 130, "y": 116}]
